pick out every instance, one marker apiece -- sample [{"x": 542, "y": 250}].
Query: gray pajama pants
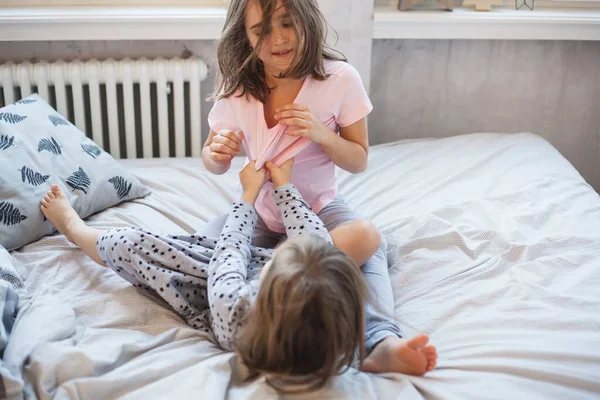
[
  {"x": 175, "y": 268},
  {"x": 379, "y": 315}
]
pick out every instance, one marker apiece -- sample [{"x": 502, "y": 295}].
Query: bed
[{"x": 494, "y": 250}]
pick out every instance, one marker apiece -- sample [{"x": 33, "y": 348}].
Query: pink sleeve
[
  {"x": 355, "y": 103},
  {"x": 221, "y": 117}
]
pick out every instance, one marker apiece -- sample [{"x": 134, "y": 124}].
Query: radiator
[{"x": 132, "y": 109}]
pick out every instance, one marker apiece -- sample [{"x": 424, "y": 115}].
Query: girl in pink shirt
[{"x": 282, "y": 93}]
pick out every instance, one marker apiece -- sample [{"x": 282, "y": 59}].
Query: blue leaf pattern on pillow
[
  {"x": 9, "y": 214},
  {"x": 79, "y": 181},
  {"x": 12, "y": 118},
  {"x": 11, "y": 276},
  {"x": 57, "y": 120},
  {"x": 25, "y": 101},
  {"x": 121, "y": 186},
  {"x": 6, "y": 142},
  {"x": 31, "y": 159},
  {"x": 32, "y": 177},
  {"x": 93, "y": 150},
  {"x": 50, "y": 145}
]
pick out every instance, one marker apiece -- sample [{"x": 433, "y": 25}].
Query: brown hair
[
  {"x": 239, "y": 65},
  {"x": 308, "y": 318}
]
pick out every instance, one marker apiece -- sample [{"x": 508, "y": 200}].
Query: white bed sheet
[{"x": 494, "y": 242}]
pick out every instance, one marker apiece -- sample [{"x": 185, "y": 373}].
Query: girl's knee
[
  {"x": 363, "y": 240},
  {"x": 370, "y": 235}
]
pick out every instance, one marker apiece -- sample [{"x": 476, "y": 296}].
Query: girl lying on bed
[{"x": 294, "y": 312}]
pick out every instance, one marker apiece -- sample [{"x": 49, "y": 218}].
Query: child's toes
[
  {"x": 46, "y": 198},
  {"x": 431, "y": 363},
  {"x": 430, "y": 349},
  {"x": 55, "y": 189},
  {"x": 431, "y": 356}
]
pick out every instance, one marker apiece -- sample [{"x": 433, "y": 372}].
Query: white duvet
[{"x": 494, "y": 247}]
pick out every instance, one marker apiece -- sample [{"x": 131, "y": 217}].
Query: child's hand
[
  {"x": 280, "y": 175},
  {"x": 305, "y": 123},
  {"x": 252, "y": 181},
  {"x": 225, "y": 145}
]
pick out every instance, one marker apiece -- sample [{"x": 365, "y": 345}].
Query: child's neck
[
  {"x": 284, "y": 92},
  {"x": 284, "y": 84}
]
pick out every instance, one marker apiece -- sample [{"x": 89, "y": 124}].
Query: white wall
[
  {"x": 69, "y": 50},
  {"x": 436, "y": 88},
  {"x": 353, "y": 21},
  {"x": 430, "y": 88}
]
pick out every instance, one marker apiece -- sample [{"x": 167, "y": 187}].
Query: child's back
[{"x": 308, "y": 317}]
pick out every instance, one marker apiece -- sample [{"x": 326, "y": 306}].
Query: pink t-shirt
[{"x": 338, "y": 101}]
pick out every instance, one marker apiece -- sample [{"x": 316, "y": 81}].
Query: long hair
[
  {"x": 239, "y": 65},
  {"x": 307, "y": 323}
]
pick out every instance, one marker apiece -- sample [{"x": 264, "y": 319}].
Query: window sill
[
  {"x": 197, "y": 23},
  {"x": 500, "y": 23},
  {"x": 111, "y": 23}
]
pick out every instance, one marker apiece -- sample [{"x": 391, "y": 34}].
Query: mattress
[{"x": 494, "y": 251}]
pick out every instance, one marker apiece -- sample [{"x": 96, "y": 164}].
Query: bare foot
[
  {"x": 56, "y": 207},
  {"x": 392, "y": 354}
]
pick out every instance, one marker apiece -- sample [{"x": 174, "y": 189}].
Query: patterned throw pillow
[{"x": 38, "y": 147}]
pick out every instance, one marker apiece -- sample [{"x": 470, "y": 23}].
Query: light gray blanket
[
  {"x": 11, "y": 287},
  {"x": 494, "y": 251}
]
